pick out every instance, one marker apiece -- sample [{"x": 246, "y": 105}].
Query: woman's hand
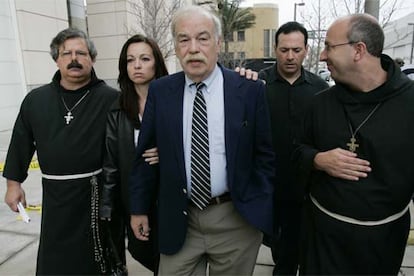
[{"x": 151, "y": 156}]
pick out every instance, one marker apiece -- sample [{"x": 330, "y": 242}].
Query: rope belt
[
  {"x": 71, "y": 176},
  {"x": 356, "y": 221}
]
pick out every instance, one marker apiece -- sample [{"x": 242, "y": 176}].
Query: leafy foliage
[{"x": 233, "y": 19}]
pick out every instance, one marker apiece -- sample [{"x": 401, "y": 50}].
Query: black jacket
[
  {"x": 287, "y": 106},
  {"x": 118, "y": 160}
]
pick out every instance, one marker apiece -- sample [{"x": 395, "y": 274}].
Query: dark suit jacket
[{"x": 249, "y": 156}]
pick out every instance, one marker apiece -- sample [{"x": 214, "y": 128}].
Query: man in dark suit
[{"x": 215, "y": 202}]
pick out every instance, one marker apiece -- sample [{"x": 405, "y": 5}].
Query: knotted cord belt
[{"x": 356, "y": 221}]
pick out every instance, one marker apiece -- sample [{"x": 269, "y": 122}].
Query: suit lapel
[
  {"x": 234, "y": 110},
  {"x": 175, "y": 114}
]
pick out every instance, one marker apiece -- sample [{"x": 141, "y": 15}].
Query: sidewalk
[{"x": 19, "y": 241}]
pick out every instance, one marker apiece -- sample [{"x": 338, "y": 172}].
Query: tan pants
[{"x": 218, "y": 236}]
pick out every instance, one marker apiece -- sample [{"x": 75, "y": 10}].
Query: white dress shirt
[{"x": 213, "y": 93}]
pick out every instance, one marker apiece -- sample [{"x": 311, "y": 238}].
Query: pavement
[{"x": 19, "y": 240}]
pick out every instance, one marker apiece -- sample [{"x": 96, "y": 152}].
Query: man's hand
[
  {"x": 139, "y": 224},
  {"x": 342, "y": 164},
  {"x": 14, "y": 195},
  {"x": 248, "y": 73},
  {"x": 151, "y": 156}
]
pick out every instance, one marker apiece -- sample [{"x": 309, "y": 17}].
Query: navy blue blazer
[{"x": 249, "y": 156}]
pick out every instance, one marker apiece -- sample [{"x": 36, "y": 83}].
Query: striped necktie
[{"x": 200, "y": 160}]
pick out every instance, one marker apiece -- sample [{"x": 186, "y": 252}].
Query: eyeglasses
[
  {"x": 330, "y": 47},
  {"x": 78, "y": 54}
]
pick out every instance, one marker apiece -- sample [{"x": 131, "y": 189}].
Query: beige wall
[
  {"x": 267, "y": 17},
  {"x": 110, "y": 24},
  {"x": 26, "y": 29},
  {"x": 38, "y": 22},
  {"x": 28, "y": 26},
  {"x": 108, "y": 28}
]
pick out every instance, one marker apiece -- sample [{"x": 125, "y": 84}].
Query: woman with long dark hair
[{"x": 140, "y": 62}]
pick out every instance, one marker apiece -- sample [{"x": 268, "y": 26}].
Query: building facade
[
  {"x": 399, "y": 38},
  {"x": 258, "y": 41},
  {"x": 27, "y": 28}
]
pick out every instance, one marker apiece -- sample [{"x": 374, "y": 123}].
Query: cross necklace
[
  {"x": 352, "y": 145},
  {"x": 69, "y": 117}
]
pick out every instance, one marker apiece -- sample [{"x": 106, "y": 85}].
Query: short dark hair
[
  {"x": 366, "y": 29},
  {"x": 69, "y": 33},
  {"x": 291, "y": 27},
  {"x": 129, "y": 99}
]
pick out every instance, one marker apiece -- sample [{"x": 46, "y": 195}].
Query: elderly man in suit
[{"x": 213, "y": 185}]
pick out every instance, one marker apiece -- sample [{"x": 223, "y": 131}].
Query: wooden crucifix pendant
[
  {"x": 68, "y": 117},
  {"x": 352, "y": 146}
]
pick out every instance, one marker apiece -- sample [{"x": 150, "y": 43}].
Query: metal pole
[
  {"x": 372, "y": 7},
  {"x": 294, "y": 13},
  {"x": 294, "y": 10},
  {"x": 412, "y": 43}
]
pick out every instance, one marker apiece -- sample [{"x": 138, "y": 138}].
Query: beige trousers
[{"x": 217, "y": 236}]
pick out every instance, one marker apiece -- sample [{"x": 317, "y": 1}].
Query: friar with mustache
[{"x": 64, "y": 122}]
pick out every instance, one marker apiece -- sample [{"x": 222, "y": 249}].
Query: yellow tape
[
  {"x": 411, "y": 237},
  {"x": 34, "y": 165},
  {"x": 34, "y": 208}
]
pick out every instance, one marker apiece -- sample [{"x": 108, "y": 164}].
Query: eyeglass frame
[
  {"x": 329, "y": 47},
  {"x": 78, "y": 54}
]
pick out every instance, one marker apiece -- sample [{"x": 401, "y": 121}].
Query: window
[
  {"x": 240, "y": 36},
  {"x": 272, "y": 45},
  {"x": 266, "y": 43},
  {"x": 273, "y": 37},
  {"x": 230, "y": 37},
  {"x": 242, "y": 55}
]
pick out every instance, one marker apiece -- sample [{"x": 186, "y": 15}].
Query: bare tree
[
  {"x": 318, "y": 18},
  {"x": 154, "y": 18},
  {"x": 387, "y": 8},
  {"x": 316, "y": 23}
]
